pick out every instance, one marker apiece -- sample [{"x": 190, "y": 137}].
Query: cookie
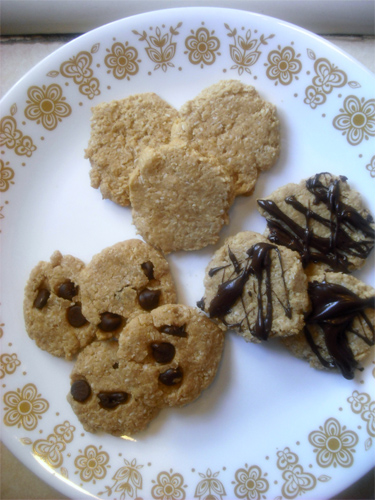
[
  {"x": 106, "y": 394},
  {"x": 120, "y": 129},
  {"x": 324, "y": 220},
  {"x": 180, "y": 199},
  {"x": 230, "y": 121},
  {"x": 122, "y": 281},
  {"x": 179, "y": 350},
  {"x": 256, "y": 288},
  {"x": 340, "y": 328},
  {"x": 52, "y": 307}
]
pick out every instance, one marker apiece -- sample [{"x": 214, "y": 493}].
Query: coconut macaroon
[
  {"x": 120, "y": 129},
  {"x": 52, "y": 307},
  {"x": 256, "y": 288},
  {"x": 324, "y": 220},
  {"x": 124, "y": 280},
  {"x": 230, "y": 121},
  {"x": 340, "y": 328},
  {"x": 180, "y": 199}
]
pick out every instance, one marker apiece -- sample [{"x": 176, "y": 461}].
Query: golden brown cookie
[
  {"x": 106, "y": 394},
  {"x": 340, "y": 328},
  {"x": 256, "y": 288},
  {"x": 180, "y": 199},
  {"x": 52, "y": 307},
  {"x": 231, "y": 122},
  {"x": 122, "y": 281},
  {"x": 119, "y": 131},
  {"x": 324, "y": 220},
  {"x": 179, "y": 350}
]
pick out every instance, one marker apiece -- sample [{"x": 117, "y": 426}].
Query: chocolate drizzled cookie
[{"x": 322, "y": 219}]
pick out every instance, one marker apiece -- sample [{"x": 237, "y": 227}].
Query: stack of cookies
[
  {"x": 136, "y": 350},
  {"x": 181, "y": 170},
  {"x": 295, "y": 281}
]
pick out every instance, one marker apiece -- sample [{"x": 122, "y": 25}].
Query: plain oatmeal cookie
[
  {"x": 256, "y": 288},
  {"x": 324, "y": 220},
  {"x": 120, "y": 129},
  {"x": 340, "y": 328},
  {"x": 52, "y": 307},
  {"x": 230, "y": 121},
  {"x": 124, "y": 280},
  {"x": 180, "y": 199}
]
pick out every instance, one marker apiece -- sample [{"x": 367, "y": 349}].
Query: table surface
[{"x": 17, "y": 56}]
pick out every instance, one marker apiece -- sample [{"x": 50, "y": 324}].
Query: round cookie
[
  {"x": 340, "y": 328},
  {"x": 230, "y": 121},
  {"x": 119, "y": 131},
  {"x": 179, "y": 350},
  {"x": 180, "y": 199},
  {"x": 122, "y": 281},
  {"x": 106, "y": 394},
  {"x": 256, "y": 288},
  {"x": 52, "y": 307},
  {"x": 324, "y": 220}
]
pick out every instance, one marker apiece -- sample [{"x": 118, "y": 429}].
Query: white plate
[{"x": 269, "y": 426}]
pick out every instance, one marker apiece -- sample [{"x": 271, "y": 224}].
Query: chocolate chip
[
  {"x": 80, "y": 390},
  {"x": 176, "y": 331},
  {"x": 109, "y": 400},
  {"x": 67, "y": 290},
  {"x": 41, "y": 298},
  {"x": 149, "y": 299},
  {"x": 163, "y": 352},
  {"x": 200, "y": 303},
  {"x": 75, "y": 317},
  {"x": 173, "y": 376},
  {"x": 115, "y": 366},
  {"x": 148, "y": 269},
  {"x": 110, "y": 322}
]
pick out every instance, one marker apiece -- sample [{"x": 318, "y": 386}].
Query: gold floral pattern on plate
[
  {"x": 161, "y": 48},
  {"x": 169, "y": 486},
  {"x": 244, "y": 51},
  {"x": 283, "y": 65},
  {"x": 333, "y": 444},
  {"x": 296, "y": 480},
  {"x": 51, "y": 449},
  {"x": 371, "y": 166},
  {"x": 127, "y": 481},
  {"x": 357, "y": 119},
  {"x": 6, "y": 176},
  {"x": 79, "y": 69},
  {"x": 122, "y": 60},
  {"x": 46, "y": 105},
  {"x": 251, "y": 483},
  {"x": 92, "y": 464},
  {"x": 13, "y": 138},
  {"x": 8, "y": 364},
  {"x": 203, "y": 47},
  {"x": 24, "y": 407},
  {"x": 210, "y": 486}
]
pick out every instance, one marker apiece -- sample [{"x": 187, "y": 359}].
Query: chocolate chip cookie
[
  {"x": 340, "y": 328},
  {"x": 53, "y": 307},
  {"x": 179, "y": 350},
  {"x": 106, "y": 393},
  {"x": 122, "y": 281},
  {"x": 255, "y": 287}
]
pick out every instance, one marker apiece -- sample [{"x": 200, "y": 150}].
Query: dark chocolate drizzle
[
  {"x": 334, "y": 309},
  {"x": 258, "y": 264},
  {"x": 333, "y": 250}
]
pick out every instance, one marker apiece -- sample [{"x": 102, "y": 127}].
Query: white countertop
[{"x": 19, "y": 54}]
